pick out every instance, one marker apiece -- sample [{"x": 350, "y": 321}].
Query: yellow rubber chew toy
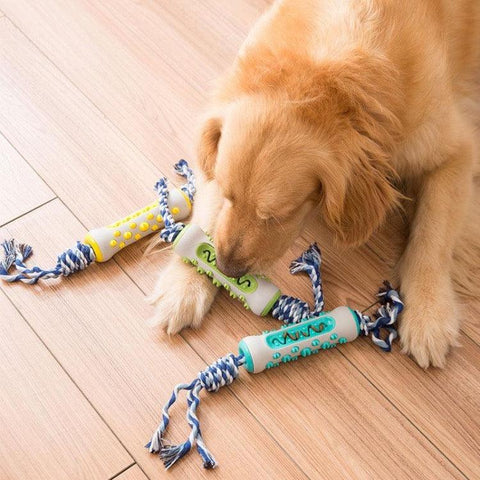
[
  {"x": 109, "y": 240},
  {"x": 100, "y": 244}
]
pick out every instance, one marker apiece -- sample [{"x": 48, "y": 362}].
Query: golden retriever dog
[{"x": 353, "y": 107}]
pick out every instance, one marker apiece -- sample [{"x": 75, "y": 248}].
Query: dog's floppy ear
[
  {"x": 357, "y": 201},
  {"x": 207, "y": 146},
  {"x": 357, "y": 186}
]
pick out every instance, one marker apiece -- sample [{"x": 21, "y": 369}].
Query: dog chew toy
[
  {"x": 101, "y": 244},
  {"x": 320, "y": 331},
  {"x": 306, "y": 330},
  {"x": 256, "y": 292}
]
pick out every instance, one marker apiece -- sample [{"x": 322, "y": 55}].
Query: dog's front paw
[
  {"x": 182, "y": 297},
  {"x": 428, "y": 330}
]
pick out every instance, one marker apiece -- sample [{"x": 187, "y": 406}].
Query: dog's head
[{"x": 275, "y": 158}]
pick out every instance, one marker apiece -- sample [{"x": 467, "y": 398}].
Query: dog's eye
[
  {"x": 264, "y": 216},
  {"x": 229, "y": 196}
]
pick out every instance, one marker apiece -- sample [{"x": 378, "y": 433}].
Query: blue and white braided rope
[
  {"x": 310, "y": 262},
  {"x": 220, "y": 373},
  {"x": 290, "y": 310},
  {"x": 385, "y": 318},
  {"x": 71, "y": 261},
  {"x": 183, "y": 169},
  {"x": 293, "y": 310},
  {"x": 172, "y": 228}
]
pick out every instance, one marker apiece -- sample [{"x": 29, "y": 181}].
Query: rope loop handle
[
  {"x": 183, "y": 169},
  {"x": 172, "y": 228},
  {"x": 219, "y": 374},
  {"x": 390, "y": 307},
  {"x": 293, "y": 310}
]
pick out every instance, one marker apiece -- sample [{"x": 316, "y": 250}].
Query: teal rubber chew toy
[
  {"x": 256, "y": 292},
  {"x": 321, "y": 332}
]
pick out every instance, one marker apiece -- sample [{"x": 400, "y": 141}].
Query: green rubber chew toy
[{"x": 256, "y": 292}]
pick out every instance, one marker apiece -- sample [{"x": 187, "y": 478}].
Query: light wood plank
[
  {"x": 340, "y": 277},
  {"x": 94, "y": 323},
  {"x": 146, "y": 97},
  {"x": 22, "y": 188},
  {"x": 48, "y": 428},
  {"x": 133, "y": 473},
  {"x": 444, "y": 404},
  {"x": 66, "y": 139},
  {"x": 150, "y": 70}
]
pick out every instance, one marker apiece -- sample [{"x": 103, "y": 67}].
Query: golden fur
[{"x": 353, "y": 105}]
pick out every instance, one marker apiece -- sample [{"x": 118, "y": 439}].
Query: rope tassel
[
  {"x": 293, "y": 310},
  {"x": 70, "y": 261},
  {"x": 219, "y": 374}
]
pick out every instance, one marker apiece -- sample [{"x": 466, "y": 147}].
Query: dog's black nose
[{"x": 231, "y": 268}]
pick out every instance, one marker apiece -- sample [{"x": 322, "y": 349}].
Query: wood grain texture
[
  {"x": 433, "y": 400},
  {"x": 22, "y": 188},
  {"x": 64, "y": 136},
  {"x": 49, "y": 430},
  {"x": 147, "y": 66},
  {"x": 133, "y": 473},
  {"x": 94, "y": 323},
  {"x": 101, "y": 100},
  {"x": 129, "y": 82}
]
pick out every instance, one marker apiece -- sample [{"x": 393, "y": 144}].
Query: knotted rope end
[
  {"x": 13, "y": 251},
  {"x": 385, "y": 318},
  {"x": 308, "y": 259},
  {"x": 172, "y": 453}
]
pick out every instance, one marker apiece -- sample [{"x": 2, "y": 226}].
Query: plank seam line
[
  {"x": 88, "y": 99},
  {"x": 123, "y": 471},
  {"x": 29, "y": 211}
]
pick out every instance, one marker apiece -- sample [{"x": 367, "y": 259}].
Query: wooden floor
[{"x": 98, "y": 98}]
